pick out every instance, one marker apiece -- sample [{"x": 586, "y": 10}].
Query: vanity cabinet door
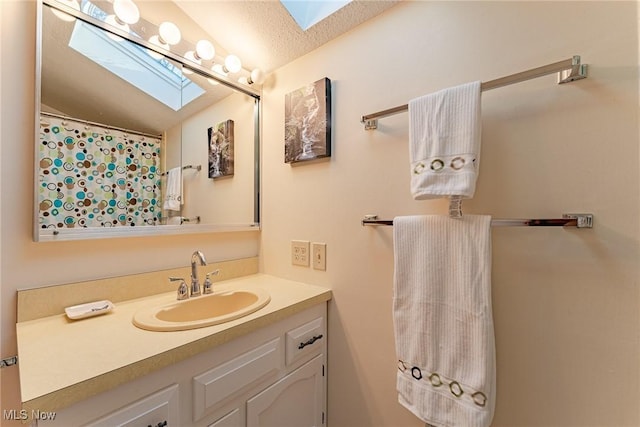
[{"x": 297, "y": 400}]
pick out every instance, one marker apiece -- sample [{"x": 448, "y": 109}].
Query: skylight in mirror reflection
[{"x": 158, "y": 78}]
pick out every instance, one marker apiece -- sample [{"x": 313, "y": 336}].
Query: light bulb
[
  {"x": 169, "y": 33},
  {"x": 126, "y": 11},
  {"x": 257, "y": 76},
  {"x": 232, "y": 64},
  {"x": 191, "y": 56},
  {"x": 113, "y": 21},
  {"x": 219, "y": 69},
  {"x": 64, "y": 16},
  {"x": 156, "y": 41},
  {"x": 205, "y": 50}
]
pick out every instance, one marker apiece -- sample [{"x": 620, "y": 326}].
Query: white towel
[
  {"x": 444, "y": 142},
  {"x": 173, "y": 190},
  {"x": 442, "y": 319}
]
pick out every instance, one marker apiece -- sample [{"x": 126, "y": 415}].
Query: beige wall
[
  {"x": 26, "y": 264},
  {"x": 226, "y": 200},
  {"x": 565, "y": 301}
]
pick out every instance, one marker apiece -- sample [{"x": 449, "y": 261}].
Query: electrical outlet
[
  {"x": 300, "y": 253},
  {"x": 319, "y": 253}
]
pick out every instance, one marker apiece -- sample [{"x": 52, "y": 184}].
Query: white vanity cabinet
[
  {"x": 274, "y": 376},
  {"x": 280, "y": 383}
]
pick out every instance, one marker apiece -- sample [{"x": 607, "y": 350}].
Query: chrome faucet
[{"x": 195, "y": 284}]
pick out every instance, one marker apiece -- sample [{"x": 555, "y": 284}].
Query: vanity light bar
[{"x": 225, "y": 80}]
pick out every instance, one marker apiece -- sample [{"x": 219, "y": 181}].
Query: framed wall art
[
  {"x": 221, "y": 150},
  {"x": 308, "y": 122}
]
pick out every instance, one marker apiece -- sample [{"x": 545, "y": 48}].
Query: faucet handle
[
  {"x": 183, "y": 290},
  {"x": 208, "y": 286}
]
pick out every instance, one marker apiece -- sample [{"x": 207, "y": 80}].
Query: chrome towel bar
[
  {"x": 567, "y": 220},
  {"x": 198, "y": 168},
  {"x": 568, "y": 70}
]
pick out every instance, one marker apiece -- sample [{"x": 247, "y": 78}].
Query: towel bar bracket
[
  {"x": 577, "y": 71},
  {"x": 582, "y": 220},
  {"x": 370, "y": 124},
  {"x": 9, "y": 361}
]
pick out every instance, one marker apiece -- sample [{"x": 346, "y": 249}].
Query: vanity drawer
[
  {"x": 158, "y": 408},
  {"x": 218, "y": 384},
  {"x": 305, "y": 340}
]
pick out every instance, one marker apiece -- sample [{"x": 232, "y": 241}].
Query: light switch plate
[
  {"x": 300, "y": 253},
  {"x": 319, "y": 256}
]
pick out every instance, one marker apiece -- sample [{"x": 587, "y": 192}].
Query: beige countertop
[{"x": 63, "y": 361}]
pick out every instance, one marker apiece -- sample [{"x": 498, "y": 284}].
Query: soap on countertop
[{"x": 89, "y": 309}]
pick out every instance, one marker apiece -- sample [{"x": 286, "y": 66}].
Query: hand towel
[
  {"x": 173, "y": 190},
  {"x": 443, "y": 321},
  {"x": 444, "y": 142}
]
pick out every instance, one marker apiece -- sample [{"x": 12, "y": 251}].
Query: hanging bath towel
[
  {"x": 442, "y": 319},
  {"x": 444, "y": 142},
  {"x": 173, "y": 191}
]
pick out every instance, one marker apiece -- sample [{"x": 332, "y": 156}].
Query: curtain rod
[
  {"x": 87, "y": 122},
  {"x": 567, "y": 220},
  {"x": 568, "y": 70}
]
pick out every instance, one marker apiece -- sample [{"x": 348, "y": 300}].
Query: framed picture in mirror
[
  {"x": 308, "y": 122},
  {"x": 221, "y": 152}
]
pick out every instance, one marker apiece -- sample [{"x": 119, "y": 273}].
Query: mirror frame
[{"x": 45, "y": 235}]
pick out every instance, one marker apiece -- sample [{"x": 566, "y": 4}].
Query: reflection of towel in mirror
[{"x": 173, "y": 190}]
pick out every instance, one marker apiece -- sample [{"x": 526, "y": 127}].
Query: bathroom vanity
[{"x": 266, "y": 368}]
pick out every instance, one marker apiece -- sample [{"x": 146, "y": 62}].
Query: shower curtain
[{"x": 93, "y": 176}]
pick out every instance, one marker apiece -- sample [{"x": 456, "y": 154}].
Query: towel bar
[
  {"x": 194, "y": 219},
  {"x": 567, "y": 220},
  {"x": 568, "y": 71},
  {"x": 198, "y": 168}
]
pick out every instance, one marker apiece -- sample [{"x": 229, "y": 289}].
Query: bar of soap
[{"x": 89, "y": 309}]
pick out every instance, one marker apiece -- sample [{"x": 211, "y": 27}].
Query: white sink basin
[{"x": 202, "y": 311}]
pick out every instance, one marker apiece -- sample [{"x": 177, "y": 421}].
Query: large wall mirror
[{"x": 135, "y": 140}]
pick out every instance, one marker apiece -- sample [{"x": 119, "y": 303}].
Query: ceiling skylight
[
  {"x": 309, "y": 13},
  {"x": 156, "y": 77}
]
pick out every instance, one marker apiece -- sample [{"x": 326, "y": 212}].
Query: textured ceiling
[{"x": 264, "y": 35}]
